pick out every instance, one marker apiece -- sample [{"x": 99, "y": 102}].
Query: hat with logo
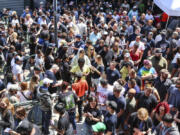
[{"x": 99, "y": 127}]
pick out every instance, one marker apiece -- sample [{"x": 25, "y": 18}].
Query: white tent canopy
[{"x": 170, "y": 7}]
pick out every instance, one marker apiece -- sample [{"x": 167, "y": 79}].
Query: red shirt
[
  {"x": 80, "y": 87},
  {"x": 135, "y": 56},
  {"x": 164, "y": 17}
]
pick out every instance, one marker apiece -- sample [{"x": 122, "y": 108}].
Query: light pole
[{"x": 55, "y": 21}]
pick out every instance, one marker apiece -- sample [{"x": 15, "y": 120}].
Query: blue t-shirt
[
  {"x": 176, "y": 98},
  {"x": 136, "y": 87},
  {"x": 171, "y": 92},
  {"x": 51, "y": 76},
  {"x": 121, "y": 102},
  {"x": 110, "y": 120},
  {"x": 144, "y": 71}
]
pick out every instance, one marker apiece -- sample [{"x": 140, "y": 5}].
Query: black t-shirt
[
  {"x": 64, "y": 124},
  {"x": 147, "y": 102},
  {"x": 94, "y": 111},
  {"x": 51, "y": 76},
  {"x": 162, "y": 87},
  {"x": 100, "y": 68},
  {"x": 48, "y": 62},
  {"x": 65, "y": 72},
  {"x": 9, "y": 58}
]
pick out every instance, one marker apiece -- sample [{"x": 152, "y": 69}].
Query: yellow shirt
[
  {"x": 124, "y": 72},
  {"x": 76, "y": 70}
]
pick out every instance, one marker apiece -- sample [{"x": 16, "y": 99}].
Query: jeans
[
  {"x": 46, "y": 117},
  {"x": 87, "y": 129},
  {"x": 72, "y": 119},
  {"x": 80, "y": 106},
  {"x": 4, "y": 133}
]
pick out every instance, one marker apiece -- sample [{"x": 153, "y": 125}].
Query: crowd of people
[{"x": 114, "y": 68}]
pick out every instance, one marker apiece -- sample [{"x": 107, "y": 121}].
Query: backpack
[{"x": 35, "y": 115}]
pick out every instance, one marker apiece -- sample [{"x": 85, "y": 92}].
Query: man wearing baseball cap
[
  {"x": 110, "y": 117},
  {"x": 17, "y": 69},
  {"x": 99, "y": 128},
  {"x": 158, "y": 61},
  {"x": 120, "y": 101}
]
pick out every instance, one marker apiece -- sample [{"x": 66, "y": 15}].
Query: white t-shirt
[
  {"x": 149, "y": 17},
  {"x": 27, "y": 93},
  {"x": 39, "y": 61},
  {"x": 14, "y": 22},
  {"x": 29, "y": 22},
  {"x": 103, "y": 93},
  {"x": 141, "y": 45},
  {"x": 176, "y": 57},
  {"x": 158, "y": 38},
  {"x": 17, "y": 69}
]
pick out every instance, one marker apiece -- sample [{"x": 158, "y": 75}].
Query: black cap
[
  {"x": 60, "y": 107},
  {"x": 112, "y": 104},
  {"x": 37, "y": 68},
  {"x": 168, "y": 118}
]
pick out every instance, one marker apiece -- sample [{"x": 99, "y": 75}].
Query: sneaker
[{"x": 80, "y": 120}]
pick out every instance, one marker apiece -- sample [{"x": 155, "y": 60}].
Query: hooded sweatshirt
[{"x": 75, "y": 59}]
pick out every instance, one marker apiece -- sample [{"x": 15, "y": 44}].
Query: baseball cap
[
  {"x": 168, "y": 118},
  {"x": 47, "y": 81},
  {"x": 112, "y": 104},
  {"x": 105, "y": 33},
  {"x": 78, "y": 36},
  {"x": 158, "y": 50},
  {"x": 60, "y": 107},
  {"x": 126, "y": 55},
  {"x": 18, "y": 58},
  {"x": 79, "y": 74},
  {"x": 99, "y": 127},
  {"x": 37, "y": 68},
  {"x": 146, "y": 62}
]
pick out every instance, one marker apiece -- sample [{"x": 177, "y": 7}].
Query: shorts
[{"x": 175, "y": 65}]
